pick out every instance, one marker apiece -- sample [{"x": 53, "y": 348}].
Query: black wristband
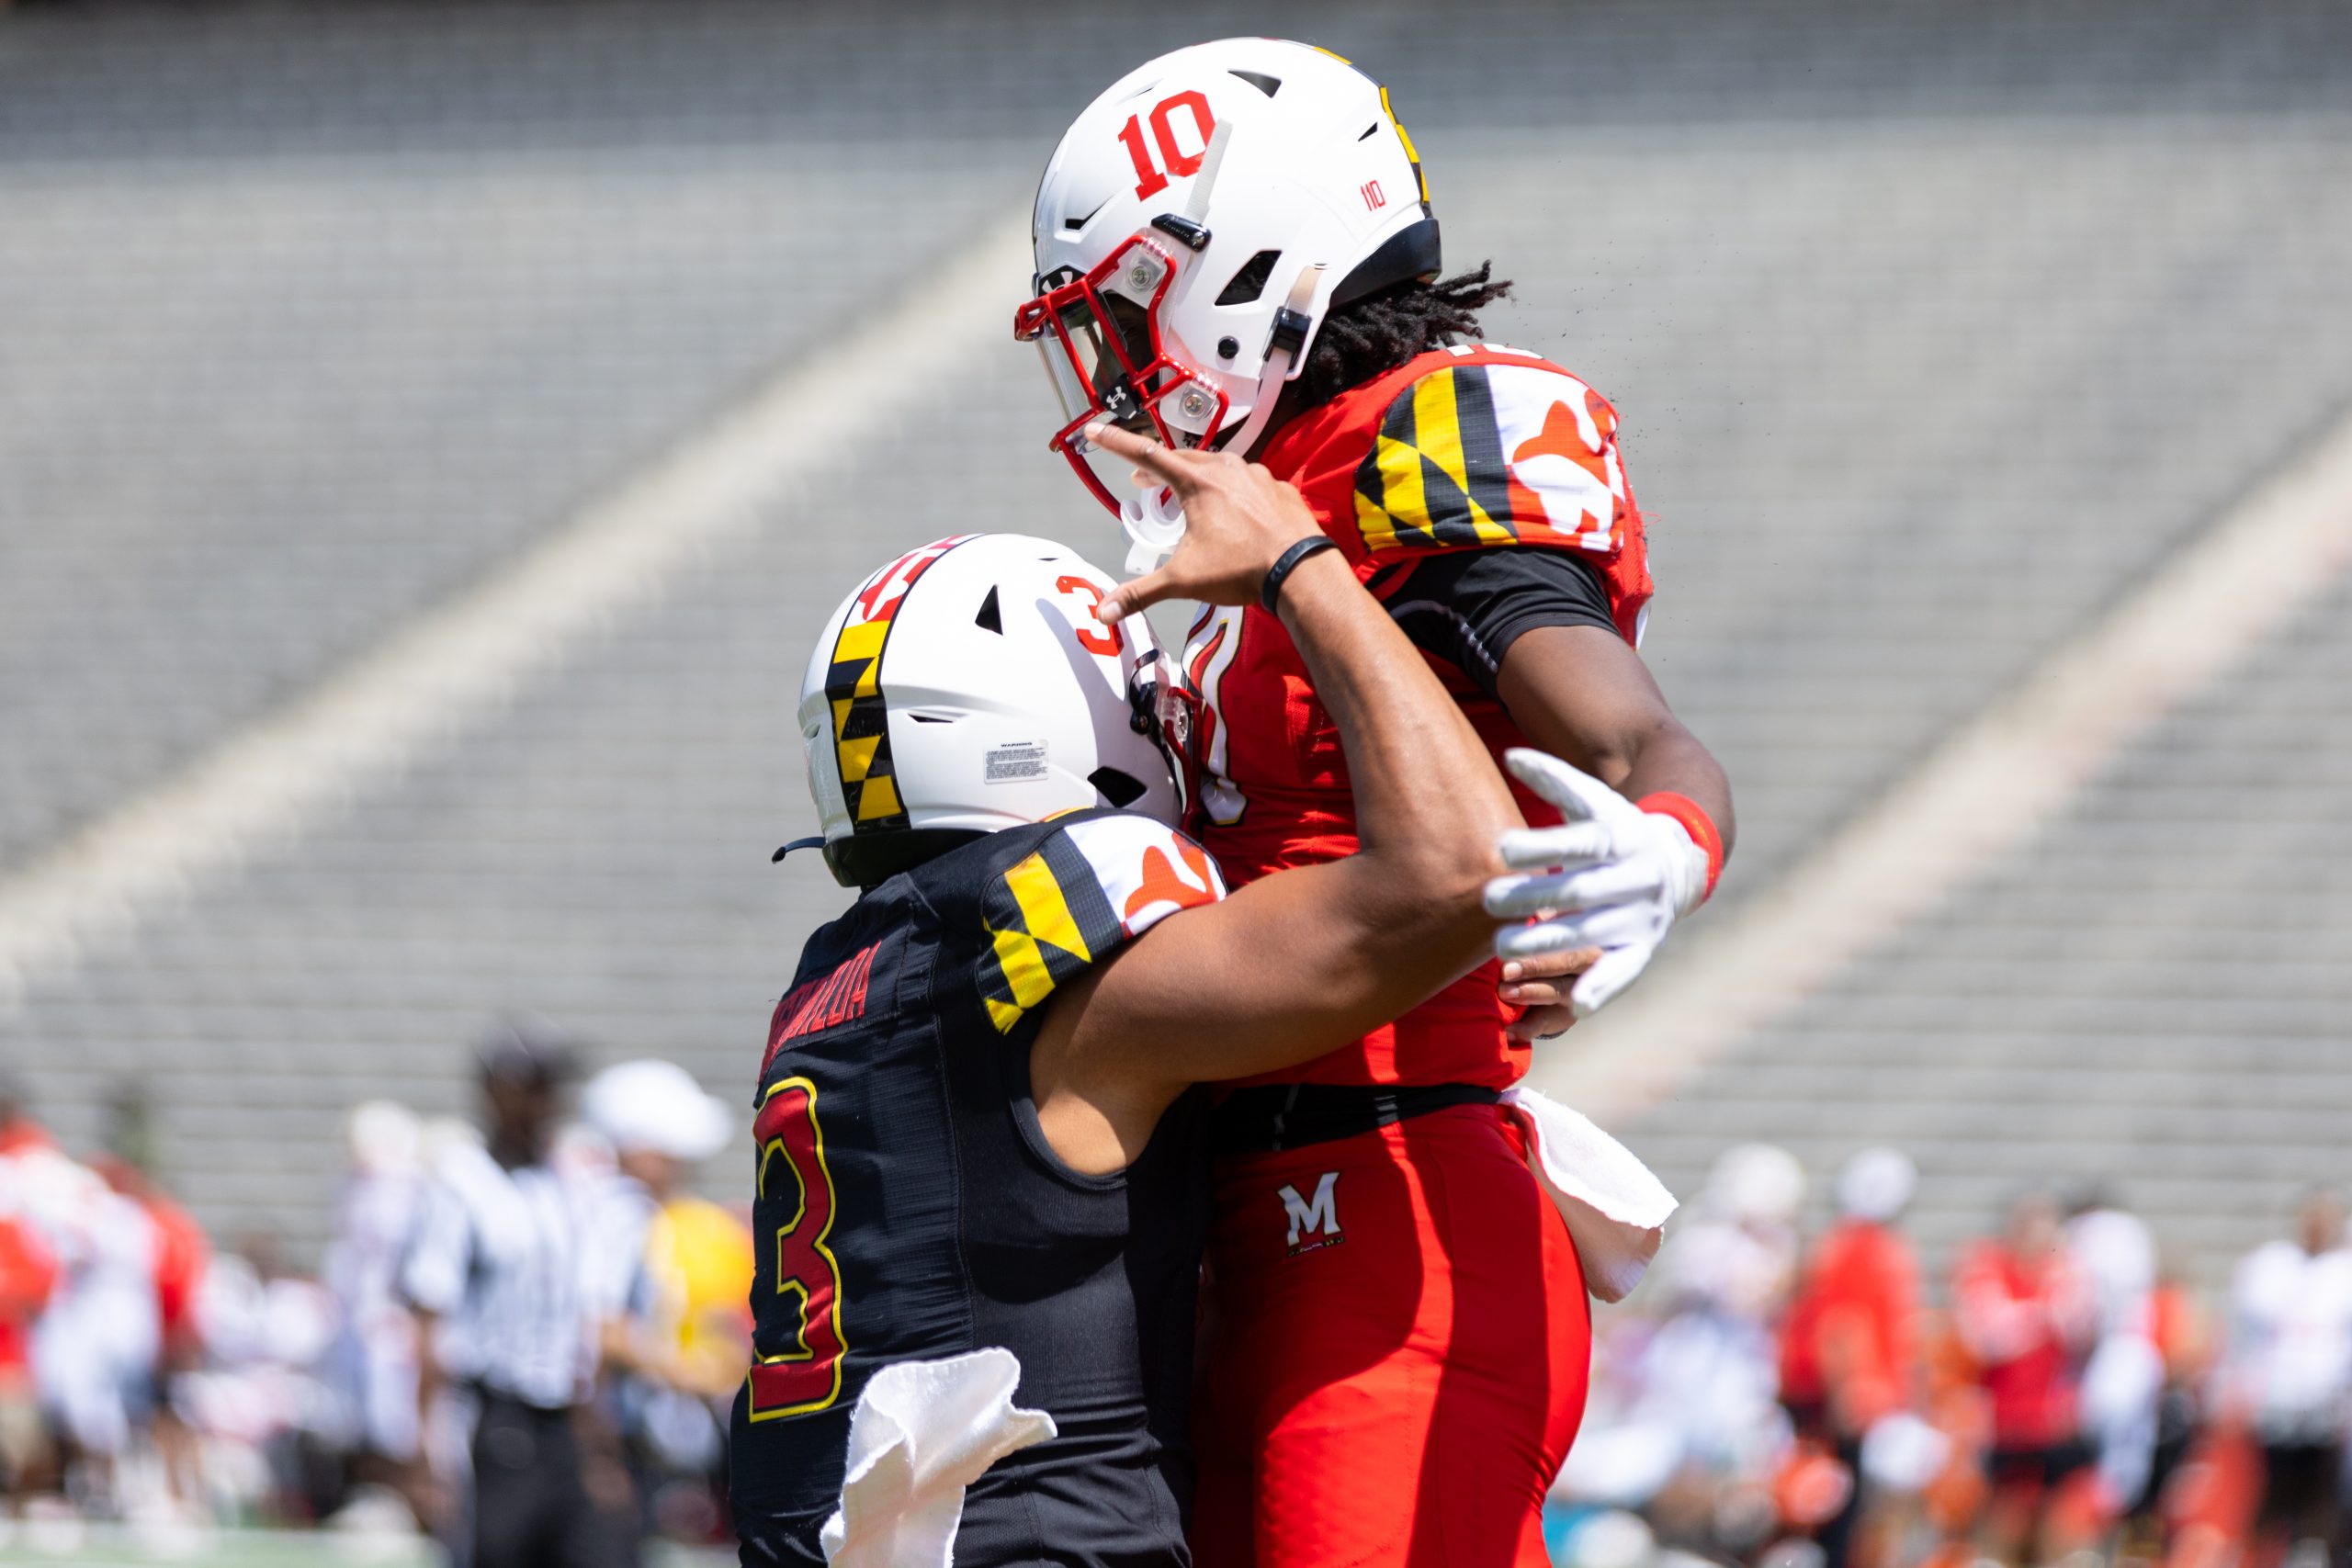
[{"x": 1286, "y": 563}]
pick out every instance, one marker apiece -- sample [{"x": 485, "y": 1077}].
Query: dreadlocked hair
[{"x": 1378, "y": 332}]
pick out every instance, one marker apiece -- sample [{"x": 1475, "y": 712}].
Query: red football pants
[{"x": 1395, "y": 1352}]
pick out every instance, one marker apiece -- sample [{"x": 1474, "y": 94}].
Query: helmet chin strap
[
  {"x": 1196, "y": 200},
  {"x": 1291, "y": 323},
  {"x": 1151, "y": 520}
]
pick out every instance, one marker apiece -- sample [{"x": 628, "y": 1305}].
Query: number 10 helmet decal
[
  {"x": 1192, "y": 232},
  {"x": 968, "y": 686}
]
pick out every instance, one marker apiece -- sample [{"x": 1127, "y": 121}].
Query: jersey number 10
[{"x": 805, "y": 1375}]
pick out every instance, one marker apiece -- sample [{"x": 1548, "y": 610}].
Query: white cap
[
  {"x": 656, "y": 1106},
  {"x": 1876, "y": 1185},
  {"x": 1757, "y": 1183},
  {"x": 384, "y": 1138}
]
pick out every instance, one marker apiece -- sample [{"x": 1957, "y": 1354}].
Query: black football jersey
[{"x": 909, "y": 1207}]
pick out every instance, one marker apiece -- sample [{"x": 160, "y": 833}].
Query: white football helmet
[
  {"x": 968, "y": 686},
  {"x": 1195, "y": 226}
]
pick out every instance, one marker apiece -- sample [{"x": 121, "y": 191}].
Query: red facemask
[{"x": 1098, "y": 335}]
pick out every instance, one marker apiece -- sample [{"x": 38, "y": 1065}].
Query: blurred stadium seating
[{"x": 1934, "y": 329}]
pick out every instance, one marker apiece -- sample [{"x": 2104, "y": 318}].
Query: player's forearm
[
  {"x": 1381, "y": 930},
  {"x": 1584, "y": 696},
  {"x": 1671, "y": 761},
  {"x": 1429, "y": 802},
  {"x": 1305, "y": 961}
]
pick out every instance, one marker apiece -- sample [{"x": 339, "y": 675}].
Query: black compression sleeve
[{"x": 1468, "y": 606}]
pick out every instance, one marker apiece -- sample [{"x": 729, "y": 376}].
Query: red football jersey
[{"x": 1459, "y": 449}]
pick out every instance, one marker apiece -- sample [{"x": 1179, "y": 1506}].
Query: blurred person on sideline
[
  {"x": 28, "y": 1275},
  {"x": 371, "y": 1368},
  {"x": 1740, "y": 1248},
  {"x": 2186, "y": 1336},
  {"x": 2026, "y": 1315},
  {"x": 183, "y": 1251},
  {"x": 182, "y": 1256},
  {"x": 255, "y": 1405},
  {"x": 2290, "y": 1372},
  {"x": 673, "y": 1289},
  {"x": 96, "y": 1349},
  {"x": 496, "y": 1274},
  {"x": 1849, "y": 1340},
  {"x": 2124, "y": 1379},
  {"x": 1701, "y": 1418}
]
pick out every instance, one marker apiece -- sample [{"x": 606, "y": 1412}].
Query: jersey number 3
[{"x": 805, "y": 1375}]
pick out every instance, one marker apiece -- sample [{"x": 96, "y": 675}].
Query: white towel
[
  {"x": 923, "y": 1432},
  {"x": 1615, "y": 1207}
]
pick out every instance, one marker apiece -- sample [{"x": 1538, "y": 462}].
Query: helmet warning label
[{"x": 1016, "y": 760}]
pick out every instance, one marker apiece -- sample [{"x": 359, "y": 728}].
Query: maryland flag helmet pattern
[
  {"x": 1494, "y": 454},
  {"x": 1098, "y": 881},
  {"x": 853, "y": 688}
]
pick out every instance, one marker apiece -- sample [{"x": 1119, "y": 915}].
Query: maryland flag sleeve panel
[
  {"x": 1094, "y": 884},
  {"x": 1493, "y": 454},
  {"x": 1502, "y": 451}
]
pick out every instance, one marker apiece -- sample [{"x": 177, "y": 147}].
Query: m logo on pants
[{"x": 1313, "y": 1222}]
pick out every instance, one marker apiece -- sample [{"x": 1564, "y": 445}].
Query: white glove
[{"x": 1613, "y": 876}]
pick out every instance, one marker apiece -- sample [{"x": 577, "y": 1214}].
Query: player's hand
[
  {"x": 1612, "y": 876},
  {"x": 1540, "y": 985},
  {"x": 1239, "y": 519}
]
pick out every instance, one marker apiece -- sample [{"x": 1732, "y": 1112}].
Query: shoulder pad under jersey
[
  {"x": 1099, "y": 879},
  {"x": 1495, "y": 447}
]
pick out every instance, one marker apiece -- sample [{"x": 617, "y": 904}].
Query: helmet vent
[
  {"x": 990, "y": 618},
  {"x": 1267, "y": 84},
  {"x": 1074, "y": 224},
  {"x": 1365, "y": 137},
  {"x": 1251, "y": 281},
  {"x": 1121, "y": 789}
]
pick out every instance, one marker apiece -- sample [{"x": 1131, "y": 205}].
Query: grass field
[{"x": 115, "y": 1546}]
